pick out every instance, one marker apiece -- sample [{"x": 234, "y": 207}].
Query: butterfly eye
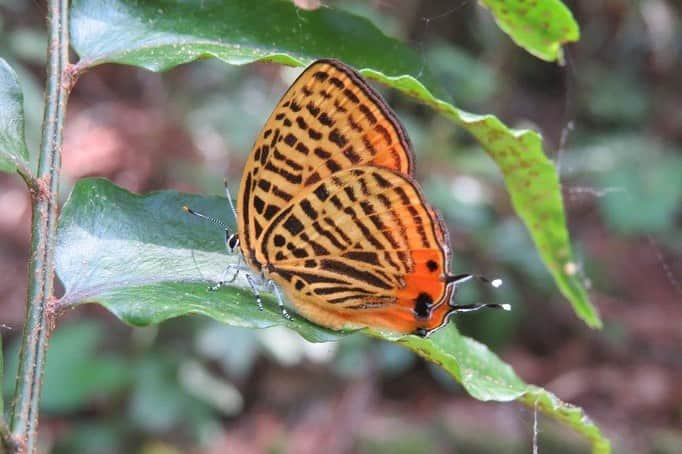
[{"x": 233, "y": 242}]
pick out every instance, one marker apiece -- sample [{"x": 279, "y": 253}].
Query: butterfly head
[{"x": 232, "y": 241}]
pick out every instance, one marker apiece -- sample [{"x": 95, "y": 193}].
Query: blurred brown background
[{"x": 612, "y": 122}]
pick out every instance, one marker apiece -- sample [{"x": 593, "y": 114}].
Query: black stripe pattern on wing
[{"x": 355, "y": 231}]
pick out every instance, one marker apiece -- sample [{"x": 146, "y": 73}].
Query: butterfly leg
[
  {"x": 280, "y": 301},
  {"x": 223, "y": 276},
  {"x": 255, "y": 291},
  {"x": 239, "y": 266}
]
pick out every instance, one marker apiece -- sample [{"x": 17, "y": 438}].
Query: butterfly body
[{"x": 328, "y": 210}]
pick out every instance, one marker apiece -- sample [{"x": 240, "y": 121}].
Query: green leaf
[
  {"x": 540, "y": 26},
  {"x": 13, "y": 150},
  {"x": 146, "y": 260},
  {"x": 152, "y": 269},
  {"x": 161, "y": 34},
  {"x": 488, "y": 378}
]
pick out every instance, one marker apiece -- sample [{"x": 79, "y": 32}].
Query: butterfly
[{"x": 329, "y": 211}]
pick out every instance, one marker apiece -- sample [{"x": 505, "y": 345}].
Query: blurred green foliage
[
  {"x": 76, "y": 374},
  {"x": 641, "y": 170}
]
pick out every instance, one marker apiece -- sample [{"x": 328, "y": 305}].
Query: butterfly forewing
[
  {"x": 360, "y": 248},
  {"x": 328, "y": 120}
]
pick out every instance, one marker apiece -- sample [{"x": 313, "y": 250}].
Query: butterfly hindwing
[{"x": 361, "y": 248}]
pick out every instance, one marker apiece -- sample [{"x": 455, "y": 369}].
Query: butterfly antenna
[
  {"x": 208, "y": 218},
  {"x": 229, "y": 199}
]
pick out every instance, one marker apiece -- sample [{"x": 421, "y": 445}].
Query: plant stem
[
  {"x": 5, "y": 437},
  {"x": 35, "y": 336},
  {"x": 4, "y": 430},
  {"x": 2, "y": 402}
]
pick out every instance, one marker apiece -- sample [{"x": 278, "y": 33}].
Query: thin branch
[
  {"x": 3, "y": 424},
  {"x": 5, "y": 435},
  {"x": 26, "y": 175},
  {"x": 35, "y": 336}
]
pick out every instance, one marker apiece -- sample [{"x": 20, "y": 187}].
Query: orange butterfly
[{"x": 328, "y": 210}]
